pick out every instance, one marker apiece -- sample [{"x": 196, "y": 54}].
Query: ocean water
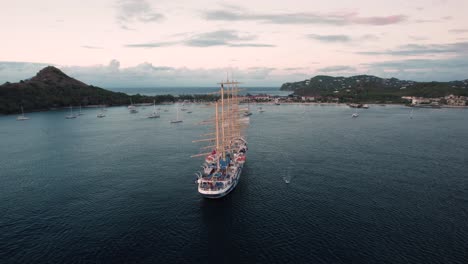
[
  {"x": 197, "y": 90},
  {"x": 381, "y": 188}
]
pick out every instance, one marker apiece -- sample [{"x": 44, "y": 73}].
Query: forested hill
[
  {"x": 374, "y": 87},
  {"x": 51, "y": 88}
]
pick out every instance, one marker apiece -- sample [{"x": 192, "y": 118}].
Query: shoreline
[{"x": 253, "y": 103}]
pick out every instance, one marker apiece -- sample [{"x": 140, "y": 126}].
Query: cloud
[
  {"x": 418, "y": 38},
  {"x": 341, "y": 38},
  {"x": 135, "y": 11},
  {"x": 151, "y": 45},
  {"x": 294, "y": 68},
  {"x": 113, "y": 75},
  {"x": 302, "y": 18},
  {"x": 148, "y": 75},
  {"x": 369, "y": 37},
  {"x": 229, "y": 38},
  {"x": 253, "y": 45},
  {"x": 459, "y": 30},
  {"x": 418, "y": 49},
  {"x": 14, "y": 71},
  {"x": 426, "y": 21},
  {"x": 330, "y": 38},
  {"x": 217, "y": 38},
  {"x": 90, "y": 47},
  {"x": 422, "y": 69},
  {"x": 338, "y": 68}
]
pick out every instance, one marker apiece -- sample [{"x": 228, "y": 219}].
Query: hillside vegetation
[
  {"x": 51, "y": 88},
  {"x": 367, "y": 88}
]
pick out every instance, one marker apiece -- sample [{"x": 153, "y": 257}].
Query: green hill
[
  {"x": 367, "y": 88},
  {"x": 51, "y": 88}
]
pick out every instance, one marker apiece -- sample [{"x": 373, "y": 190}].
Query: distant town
[
  {"x": 445, "y": 101},
  {"x": 371, "y": 89}
]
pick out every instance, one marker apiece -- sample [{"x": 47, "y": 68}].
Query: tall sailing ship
[{"x": 223, "y": 165}]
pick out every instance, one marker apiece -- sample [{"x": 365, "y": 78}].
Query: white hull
[
  {"x": 223, "y": 192},
  {"x": 153, "y": 116}
]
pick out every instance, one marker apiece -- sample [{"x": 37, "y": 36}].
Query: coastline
[{"x": 252, "y": 103}]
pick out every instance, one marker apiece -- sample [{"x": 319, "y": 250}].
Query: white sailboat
[
  {"x": 71, "y": 115},
  {"x": 80, "y": 113},
  {"x": 154, "y": 114},
  {"x": 101, "y": 114},
  {"x": 247, "y": 112},
  {"x": 132, "y": 108},
  {"x": 22, "y": 117},
  {"x": 355, "y": 114},
  {"x": 177, "y": 120}
]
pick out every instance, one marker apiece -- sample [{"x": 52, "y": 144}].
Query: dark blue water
[
  {"x": 381, "y": 188},
  {"x": 197, "y": 90}
]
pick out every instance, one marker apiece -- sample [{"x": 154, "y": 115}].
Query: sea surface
[
  {"x": 197, "y": 90},
  {"x": 380, "y": 188}
]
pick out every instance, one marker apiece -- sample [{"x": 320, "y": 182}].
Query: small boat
[
  {"x": 365, "y": 106},
  {"x": 132, "y": 108},
  {"x": 247, "y": 112},
  {"x": 189, "y": 112},
  {"x": 355, "y": 105},
  {"x": 101, "y": 114},
  {"x": 154, "y": 114},
  {"x": 22, "y": 117},
  {"x": 80, "y": 111},
  {"x": 177, "y": 120},
  {"x": 277, "y": 101},
  {"x": 260, "y": 110},
  {"x": 71, "y": 115},
  {"x": 355, "y": 115}
]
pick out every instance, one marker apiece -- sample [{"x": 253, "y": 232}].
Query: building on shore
[
  {"x": 451, "y": 100},
  {"x": 456, "y": 100}
]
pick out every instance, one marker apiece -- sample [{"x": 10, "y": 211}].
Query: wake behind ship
[{"x": 223, "y": 165}]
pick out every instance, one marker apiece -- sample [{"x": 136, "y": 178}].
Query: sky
[{"x": 162, "y": 43}]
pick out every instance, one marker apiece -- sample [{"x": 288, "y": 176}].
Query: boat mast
[
  {"x": 222, "y": 122},
  {"x": 217, "y": 132},
  {"x": 229, "y": 127}
]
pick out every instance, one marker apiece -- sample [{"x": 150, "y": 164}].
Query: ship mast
[
  {"x": 222, "y": 122},
  {"x": 217, "y": 131}
]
